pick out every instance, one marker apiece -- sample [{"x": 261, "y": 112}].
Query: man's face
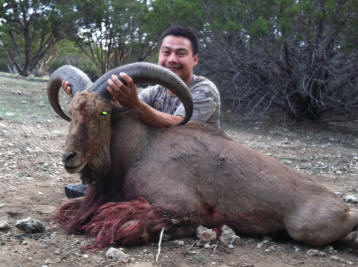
[{"x": 176, "y": 54}]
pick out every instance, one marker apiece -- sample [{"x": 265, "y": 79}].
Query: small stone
[
  {"x": 321, "y": 254},
  {"x": 270, "y": 249},
  {"x": 117, "y": 254},
  {"x": 228, "y": 236},
  {"x": 4, "y": 224},
  {"x": 312, "y": 252},
  {"x": 268, "y": 238},
  {"x": 331, "y": 250},
  {"x": 334, "y": 258},
  {"x": 30, "y": 225},
  {"x": 205, "y": 234},
  {"x": 260, "y": 245},
  {"x": 179, "y": 242},
  {"x": 350, "y": 199}
]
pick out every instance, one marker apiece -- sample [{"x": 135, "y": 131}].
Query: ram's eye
[{"x": 104, "y": 113}]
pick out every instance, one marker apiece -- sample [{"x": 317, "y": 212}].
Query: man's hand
[
  {"x": 67, "y": 87},
  {"x": 126, "y": 94}
]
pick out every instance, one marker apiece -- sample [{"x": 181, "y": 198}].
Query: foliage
[
  {"x": 300, "y": 56},
  {"x": 165, "y": 13},
  {"x": 66, "y": 52},
  {"x": 29, "y": 29},
  {"x": 111, "y": 34}
]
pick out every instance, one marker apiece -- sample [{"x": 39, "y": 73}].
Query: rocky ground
[{"x": 32, "y": 179}]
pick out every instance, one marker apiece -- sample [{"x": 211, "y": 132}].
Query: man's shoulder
[
  {"x": 201, "y": 83},
  {"x": 151, "y": 89},
  {"x": 201, "y": 80}
]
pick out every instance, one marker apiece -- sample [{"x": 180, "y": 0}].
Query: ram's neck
[{"x": 130, "y": 141}]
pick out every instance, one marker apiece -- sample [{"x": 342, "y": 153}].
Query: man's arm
[
  {"x": 156, "y": 118},
  {"x": 127, "y": 96},
  {"x": 206, "y": 100}
]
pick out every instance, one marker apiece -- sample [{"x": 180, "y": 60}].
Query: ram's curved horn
[
  {"x": 144, "y": 72},
  {"x": 78, "y": 80}
]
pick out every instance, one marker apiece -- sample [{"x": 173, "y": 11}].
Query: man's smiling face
[{"x": 176, "y": 54}]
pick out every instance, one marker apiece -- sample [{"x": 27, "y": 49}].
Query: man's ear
[{"x": 196, "y": 59}]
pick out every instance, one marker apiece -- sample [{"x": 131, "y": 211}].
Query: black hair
[{"x": 182, "y": 32}]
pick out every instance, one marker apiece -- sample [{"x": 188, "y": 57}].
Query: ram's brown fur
[
  {"x": 193, "y": 174},
  {"x": 142, "y": 179}
]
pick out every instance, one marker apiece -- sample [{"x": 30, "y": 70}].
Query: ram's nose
[{"x": 69, "y": 156}]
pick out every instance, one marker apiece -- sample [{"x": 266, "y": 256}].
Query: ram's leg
[{"x": 322, "y": 226}]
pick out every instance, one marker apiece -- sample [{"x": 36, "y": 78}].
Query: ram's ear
[{"x": 119, "y": 112}]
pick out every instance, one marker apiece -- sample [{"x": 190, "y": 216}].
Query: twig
[
  {"x": 215, "y": 247},
  {"x": 192, "y": 246},
  {"x": 159, "y": 244}
]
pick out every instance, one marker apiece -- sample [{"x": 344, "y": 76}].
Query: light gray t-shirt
[{"x": 205, "y": 95}]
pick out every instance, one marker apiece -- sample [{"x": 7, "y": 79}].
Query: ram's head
[{"x": 92, "y": 110}]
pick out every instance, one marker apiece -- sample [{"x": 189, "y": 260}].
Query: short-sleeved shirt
[{"x": 205, "y": 95}]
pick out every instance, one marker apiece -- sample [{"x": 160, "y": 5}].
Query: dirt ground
[{"x": 32, "y": 182}]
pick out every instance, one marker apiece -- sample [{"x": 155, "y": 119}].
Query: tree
[
  {"x": 111, "y": 34},
  {"x": 68, "y": 53},
  {"x": 29, "y": 29},
  {"x": 299, "y": 56},
  {"x": 165, "y": 13}
]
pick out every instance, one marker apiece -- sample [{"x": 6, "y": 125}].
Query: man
[{"x": 157, "y": 105}]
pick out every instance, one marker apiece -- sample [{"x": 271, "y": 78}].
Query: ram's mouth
[{"x": 75, "y": 169}]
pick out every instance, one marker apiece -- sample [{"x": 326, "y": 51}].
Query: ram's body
[
  {"x": 191, "y": 174},
  {"x": 197, "y": 172}
]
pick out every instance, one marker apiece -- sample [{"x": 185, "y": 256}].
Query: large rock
[
  {"x": 4, "y": 223},
  {"x": 30, "y": 226},
  {"x": 205, "y": 234},
  {"x": 117, "y": 254},
  {"x": 228, "y": 236}
]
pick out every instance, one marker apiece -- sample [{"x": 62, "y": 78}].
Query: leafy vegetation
[
  {"x": 29, "y": 30},
  {"x": 296, "y": 56}
]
